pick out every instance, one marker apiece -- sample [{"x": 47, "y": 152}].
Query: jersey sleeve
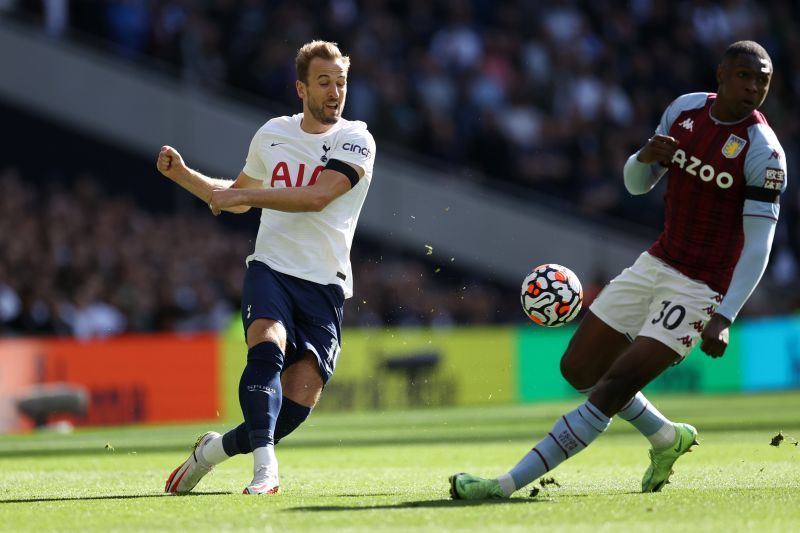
[
  {"x": 678, "y": 106},
  {"x": 765, "y": 173},
  {"x": 254, "y": 166},
  {"x": 357, "y": 147}
]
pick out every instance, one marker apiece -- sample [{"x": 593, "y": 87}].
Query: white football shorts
[{"x": 652, "y": 299}]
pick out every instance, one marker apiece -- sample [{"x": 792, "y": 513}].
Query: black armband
[
  {"x": 761, "y": 194},
  {"x": 344, "y": 168}
]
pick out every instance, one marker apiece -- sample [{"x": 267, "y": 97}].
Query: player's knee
[
  {"x": 266, "y": 354},
  {"x": 575, "y": 373},
  {"x": 568, "y": 370},
  {"x": 266, "y": 330}
]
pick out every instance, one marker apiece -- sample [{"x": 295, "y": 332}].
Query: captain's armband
[
  {"x": 344, "y": 168},
  {"x": 761, "y": 194}
]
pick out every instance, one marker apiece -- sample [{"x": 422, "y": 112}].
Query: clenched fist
[
  {"x": 170, "y": 163},
  {"x": 659, "y": 148}
]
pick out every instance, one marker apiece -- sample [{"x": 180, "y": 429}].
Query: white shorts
[{"x": 652, "y": 299}]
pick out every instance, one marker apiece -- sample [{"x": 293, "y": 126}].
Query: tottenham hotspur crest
[
  {"x": 733, "y": 146},
  {"x": 325, "y": 150}
]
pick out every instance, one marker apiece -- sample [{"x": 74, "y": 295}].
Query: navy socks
[
  {"x": 292, "y": 415},
  {"x": 260, "y": 393}
]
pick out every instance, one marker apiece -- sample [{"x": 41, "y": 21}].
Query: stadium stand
[{"x": 537, "y": 103}]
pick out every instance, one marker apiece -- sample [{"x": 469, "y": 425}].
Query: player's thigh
[
  {"x": 679, "y": 311},
  {"x": 267, "y": 311},
  {"x": 624, "y": 303},
  {"x": 319, "y": 311},
  {"x": 613, "y": 321},
  {"x": 592, "y": 349},
  {"x": 302, "y": 382}
]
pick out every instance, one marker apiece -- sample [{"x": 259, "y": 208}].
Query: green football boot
[
  {"x": 661, "y": 461},
  {"x": 468, "y": 487}
]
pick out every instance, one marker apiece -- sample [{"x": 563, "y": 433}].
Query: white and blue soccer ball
[{"x": 551, "y": 295}]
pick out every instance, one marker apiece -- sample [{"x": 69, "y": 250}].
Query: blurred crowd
[
  {"x": 77, "y": 261},
  {"x": 542, "y": 99},
  {"x": 548, "y": 97}
]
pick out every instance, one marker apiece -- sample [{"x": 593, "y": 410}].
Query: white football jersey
[{"x": 311, "y": 246}]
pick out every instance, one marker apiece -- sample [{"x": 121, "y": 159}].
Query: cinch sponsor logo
[
  {"x": 350, "y": 147},
  {"x": 704, "y": 171}
]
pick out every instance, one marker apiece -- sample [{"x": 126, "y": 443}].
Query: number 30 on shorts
[{"x": 671, "y": 315}]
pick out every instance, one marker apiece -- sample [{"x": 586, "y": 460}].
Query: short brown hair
[{"x": 322, "y": 49}]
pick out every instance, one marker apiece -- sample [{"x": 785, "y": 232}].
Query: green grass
[{"x": 388, "y": 471}]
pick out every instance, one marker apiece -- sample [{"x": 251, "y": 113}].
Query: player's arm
[
  {"x": 644, "y": 168},
  {"x": 336, "y": 179},
  {"x": 765, "y": 175},
  {"x": 647, "y": 166},
  {"x": 758, "y": 235},
  {"x": 171, "y": 164}
]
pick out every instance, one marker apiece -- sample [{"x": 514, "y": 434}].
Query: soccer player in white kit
[{"x": 309, "y": 173}]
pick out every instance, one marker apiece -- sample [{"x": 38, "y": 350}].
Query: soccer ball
[{"x": 551, "y": 295}]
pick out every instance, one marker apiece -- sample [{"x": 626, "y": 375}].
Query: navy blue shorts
[{"x": 310, "y": 312}]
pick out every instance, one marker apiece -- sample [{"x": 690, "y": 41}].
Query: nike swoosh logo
[
  {"x": 678, "y": 447},
  {"x": 276, "y": 144}
]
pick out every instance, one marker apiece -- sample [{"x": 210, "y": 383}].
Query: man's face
[
  {"x": 324, "y": 94},
  {"x": 743, "y": 85}
]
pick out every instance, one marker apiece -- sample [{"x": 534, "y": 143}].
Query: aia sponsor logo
[{"x": 282, "y": 175}]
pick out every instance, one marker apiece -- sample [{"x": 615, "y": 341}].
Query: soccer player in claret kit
[
  {"x": 726, "y": 171},
  {"x": 309, "y": 173}
]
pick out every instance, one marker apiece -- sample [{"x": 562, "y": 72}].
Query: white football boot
[
  {"x": 184, "y": 478},
  {"x": 265, "y": 481}
]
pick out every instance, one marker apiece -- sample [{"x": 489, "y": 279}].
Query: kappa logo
[
  {"x": 733, "y": 146},
  {"x": 774, "y": 179},
  {"x": 687, "y": 124},
  {"x": 686, "y": 341}
]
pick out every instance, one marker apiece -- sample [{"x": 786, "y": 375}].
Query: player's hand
[
  {"x": 714, "y": 338},
  {"x": 659, "y": 149},
  {"x": 221, "y": 199},
  {"x": 170, "y": 163}
]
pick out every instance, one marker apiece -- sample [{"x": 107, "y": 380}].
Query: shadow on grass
[
  {"x": 110, "y": 497},
  {"x": 459, "y": 437},
  {"x": 431, "y": 504}
]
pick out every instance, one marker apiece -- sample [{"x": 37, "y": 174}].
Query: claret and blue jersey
[{"x": 716, "y": 167}]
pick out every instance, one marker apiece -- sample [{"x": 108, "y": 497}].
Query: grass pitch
[{"x": 388, "y": 472}]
